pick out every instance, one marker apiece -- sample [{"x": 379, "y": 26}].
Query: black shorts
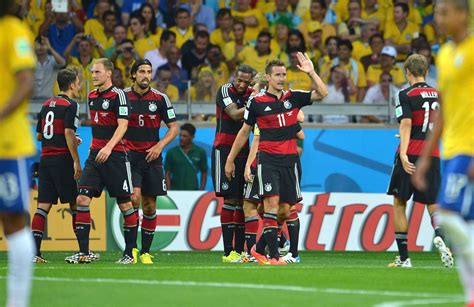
[
  {"x": 222, "y": 186},
  {"x": 149, "y": 176},
  {"x": 251, "y": 188},
  {"x": 283, "y": 181},
  {"x": 56, "y": 180},
  {"x": 401, "y": 186},
  {"x": 115, "y": 175}
]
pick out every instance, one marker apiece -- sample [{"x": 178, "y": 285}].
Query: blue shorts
[
  {"x": 14, "y": 185},
  {"x": 457, "y": 191}
]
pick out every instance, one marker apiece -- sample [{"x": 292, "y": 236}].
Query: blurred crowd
[{"x": 194, "y": 46}]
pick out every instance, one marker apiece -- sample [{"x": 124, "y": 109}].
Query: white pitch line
[
  {"x": 243, "y": 286},
  {"x": 434, "y": 301}
]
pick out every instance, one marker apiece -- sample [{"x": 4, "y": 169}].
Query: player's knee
[
  {"x": 44, "y": 206},
  {"x": 282, "y": 216},
  {"x": 250, "y": 209},
  {"x": 148, "y": 205},
  {"x": 83, "y": 201},
  {"x": 136, "y": 200},
  {"x": 232, "y": 201}
]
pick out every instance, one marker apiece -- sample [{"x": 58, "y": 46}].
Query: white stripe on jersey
[{"x": 121, "y": 94}]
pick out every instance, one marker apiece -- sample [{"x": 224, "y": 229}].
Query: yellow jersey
[
  {"x": 17, "y": 55},
  {"x": 96, "y": 29},
  {"x": 401, "y": 37},
  {"x": 143, "y": 45},
  {"x": 298, "y": 80},
  {"x": 251, "y": 33},
  {"x": 258, "y": 62},
  {"x": 375, "y": 70},
  {"x": 87, "y": 85},
  {"x": 360, "y": 49},
  {"x": 455, "y": 83},
  {"x": 194, "y": 97},
  {"x": 182, "y": 38},
  {"x": 229, "y": 50},
  {"x": 216, "y": 38},
  {"x": 221, "y": 74},
  {"x": 119, "y": 64}
]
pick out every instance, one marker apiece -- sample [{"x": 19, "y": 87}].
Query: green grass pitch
[{"x": 200, "y": 279}]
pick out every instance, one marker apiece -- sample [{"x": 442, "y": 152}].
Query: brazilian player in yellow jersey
[
  {"x": 16, "y": 145},
  {"x": 454, "y": 125}
]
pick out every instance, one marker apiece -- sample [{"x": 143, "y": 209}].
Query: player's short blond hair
[
  {"x": 260, "y": 79},
  {"x": 108, "y": 64},
  {"x": 417, "y": 64}
]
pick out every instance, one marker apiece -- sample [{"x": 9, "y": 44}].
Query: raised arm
[{"x": 306, "y": 65}]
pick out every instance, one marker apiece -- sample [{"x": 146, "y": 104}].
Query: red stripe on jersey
[
  {"x": 224, "y": 139},
  {"x": 278, "y": 120},
  {"x": 99, "y": 144},
  {"x": 144, "y": 121},
  {"x": 58, "y": 101},
  {"x": 104, "y": 118},
  {"x": 418, "y": 117},
  {"x": 52, "y": 151},
  {"x": 58, "y": 126},
  {"x": 221, "y": 114},
  {"x": 418, "y": 90},
  {"x": 278, "y": 147},
  {"x": 138, "y": 146},
  {"x": 416, "y": 146}
]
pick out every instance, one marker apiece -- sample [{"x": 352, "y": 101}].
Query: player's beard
[{"x": 144, "y": 84}]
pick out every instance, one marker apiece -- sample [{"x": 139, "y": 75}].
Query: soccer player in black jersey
[
  {"x": 107, "y": 164},
  {"x": 59, "y": 166},
  {"x": 148, "y": 108},
  {"x": 230, "y": 105},
  {"x": 275, "y": 112},
  {"x": 415, "y": 110}
]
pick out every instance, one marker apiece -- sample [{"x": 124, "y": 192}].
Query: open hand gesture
[{"x": 304, "y": 63}]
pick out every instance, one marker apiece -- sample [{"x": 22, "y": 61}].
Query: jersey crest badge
[
  {"x": 268, "y": 187},
  {"x": 105, "y": 104},
  {"x": 287, "y": 104},
  {"x": 152, "y": 107},
  {"x": 52, "y": 104},
  {"x": 225, "y": 186}
]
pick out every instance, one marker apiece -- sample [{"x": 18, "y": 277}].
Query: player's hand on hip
[
  {"x": 103, "y": 155},
  {"x": 153, "y": 153},
  {"x": 77, "y": 170},
  {"x": 407, "y": 165},
  {"x": 229, "y": 169},
  {"x": 419, "y": 177},
  {"x": 248, "y": 174}
]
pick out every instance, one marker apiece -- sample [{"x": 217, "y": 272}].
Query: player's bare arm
[
  {"x": 155, "y": 151},
  {"x": 25, "y": 81},
  {"x": 424, "y": 161},
  {"x": 235, "y": 113},
  {"x": 240, "y": 140},
  {"x": 405, "y": 130},
  {"x": 71, "y": 141},
  {"x": 251, "y": 158},
  {"x": 105, "y": 152},
  {"x": 305, "y": 65}
]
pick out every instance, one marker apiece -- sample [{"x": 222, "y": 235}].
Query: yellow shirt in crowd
[
  {"x": 399, "y": 38},
  {"x": 298, "y": 80},
  {"x": 182, "y": 38},
  {"x": 216, "y": 38},
  {"x": 251, "y": 33},
  {"x": 374, "y": 71}
]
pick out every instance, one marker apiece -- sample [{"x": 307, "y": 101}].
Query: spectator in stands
[
  {"x": 60, "y": 28},
  {"x": 183, "y": 28},
  {"x": 215, "y": 63},
  {"x": 414, "y": 15},
  {"x": 351, "y": 29},
  {"x": 387, "y": 64},
  {"x": 120, "y": 34},
  {"x": 254, "y": 19},
  {"x": 128, "y": 7},
  {"x": 205, "y": 88},
  {"x": 432, "y": 76},
  {"x": 185, "y": 161},
  {"x": 281, "y": 10},
  {"x": 399, "y": 31},
  {"x": 179, "y": 76},
  {"x": 376, "y": 43},
  {"x": 330, "y": 45},
  {"x": 125, "y": 60},
  {"x": 162, "y": 83},
  {"x": 106, "y": 39},
  {"x": 201, "y": 13},
  {"x": 352, "y": 69},
  {"x": 157, "y": 57},
  {"x": 232, "y": 49},
  {"x": 141, "y": 42},
  {"x": 340, "y": 89},
  {"x": 84, "y": 44},
  {"x": 361, "y": 46},
  {"x": 190, "y": 42},
  {"x": 315, "y": 43},
  {"x": 151, "y": 28},
  {"x": 372, "y": 11},
  {"x": 223, "y": 34},
  {"x": 317, "y": 12},
  {"x": 378, "y": 94},
  {"x": 259, "y": 55},
  {"x": 196, "y": 56},
  {"x": 47, "y": 66},
  {"x": 295, "y": 78},
  {"x": 282, "y": 28},
  {"x": 117, "y": 78},
  {"x": 95, "y": 26}
]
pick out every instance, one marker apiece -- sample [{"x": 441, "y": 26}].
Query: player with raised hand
[
  {"x": 16, "y": 146},
  {"x": 107, "y": 165},
  {"x": 230, "y": 105},
  {"x": 59, "y": 166},
  {"x": 276, "y": 112},
  {"x": 149, "y": 107},
  {"x": 454, "y": 126},
  {"x": 415, "y": 107}
]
